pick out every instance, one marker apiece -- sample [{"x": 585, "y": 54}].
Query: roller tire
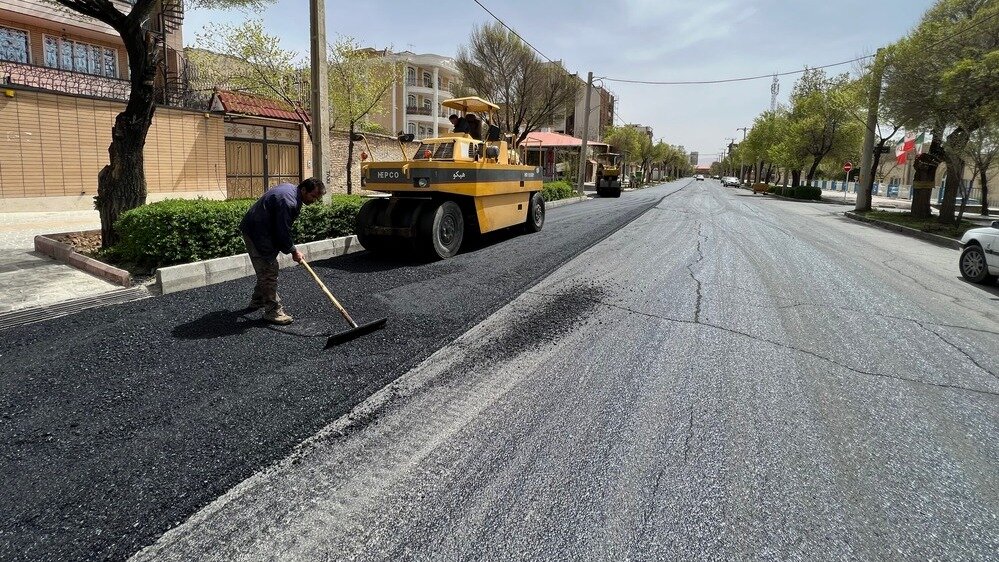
[
  {"x": 442, "y": 229},
  {"x": 535, "y": 214},
  {"x": 368, "y": 215}
]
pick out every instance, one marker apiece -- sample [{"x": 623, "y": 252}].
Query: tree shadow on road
[{"x": 217, "y": 324}]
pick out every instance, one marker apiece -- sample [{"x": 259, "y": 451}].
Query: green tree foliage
[
  {"x": 498, "y": 66},
  {"x": 820, "y": 122},
  {"x": 121, "y": 185},
  {"x": 358, "y": 81},
  {"x": 942, "y": 78},
  {"x": 246, "y": 58}
]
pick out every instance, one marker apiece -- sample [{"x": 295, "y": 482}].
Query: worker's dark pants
[{"x": 265, "y": 293}]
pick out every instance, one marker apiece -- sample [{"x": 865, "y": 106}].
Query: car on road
[
  {"x": 729, "y": 181},
  {"x": 979, "y": 262},
  {"x": 699, "y": 177}
]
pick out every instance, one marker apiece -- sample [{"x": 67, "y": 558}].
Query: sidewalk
[
  {"x": 896, "y": 203},
  {"x": 29, "y": 279}
]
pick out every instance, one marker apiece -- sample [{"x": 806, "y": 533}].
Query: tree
[
  {"x": 627, "y": 141},
  {"x": 246, "y": 58},
  {"x": 942, "y": 78},
  {"x": 498, "y": 66},
  {"x": 121, "y": 185},
  {"x": 982, "y": 150},
  {"x": 358, "y": 80},
  {"x": 820, "y": 120}
]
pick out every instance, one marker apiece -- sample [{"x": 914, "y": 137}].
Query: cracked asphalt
[
  {"x": 676, "y": 373},
  {"x": 119, "y": 423},
  {"x": 728, "y": 376}
]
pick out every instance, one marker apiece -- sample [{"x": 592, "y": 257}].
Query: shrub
[
  {"x": 555, "y": 190},
  {"x": 761, "y": 187},
  {"x": 187, "y": 230}
]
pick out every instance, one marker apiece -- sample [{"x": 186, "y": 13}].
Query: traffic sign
[{"x": 847, "y": 166}]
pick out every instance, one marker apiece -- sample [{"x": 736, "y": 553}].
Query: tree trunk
[
  {"x": 121, "y": 185},
  {"x": 350, "y": 158},
  {"x": 924, "y": 177},
  {"x": 795, "y": 178},
  {"x": 811, "y": 171},
  {"x": 985, "y": 194},
  {"x": 956, "y": 142},
  {"x": 868, "y": 192}
]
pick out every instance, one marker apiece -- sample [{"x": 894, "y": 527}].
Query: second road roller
[{"x": 453, "y": 185}]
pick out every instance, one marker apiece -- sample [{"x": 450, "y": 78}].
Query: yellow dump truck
[{"x": 454, "y": 184}]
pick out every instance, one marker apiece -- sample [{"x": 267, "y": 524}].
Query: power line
[
  {"x": 511, "y": 30},
  {"x": 724, "y": 80}
]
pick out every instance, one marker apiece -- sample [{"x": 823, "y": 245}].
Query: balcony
[
  {"x": 413, "y": 110},
  {"x": 66, "y": 81}
]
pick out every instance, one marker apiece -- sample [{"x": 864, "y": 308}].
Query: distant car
[
  {"x": 729, "y": 181},
  {"x": 715, "y": 177},
  {"x": 979, "y": 262},
  {"x": 699, "y": 177}
]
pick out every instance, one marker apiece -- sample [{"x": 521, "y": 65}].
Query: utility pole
[
  {"x": 867, "y": 157},
  {"x": 586, "y": 130},
  {"x": 320, "y": 101},
  {"x": 742, "y": 166}
]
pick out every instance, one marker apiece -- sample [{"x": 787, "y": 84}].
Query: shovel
[{"x": 355, "y": 330}]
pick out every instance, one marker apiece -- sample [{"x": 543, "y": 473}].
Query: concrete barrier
[{"x": 219, "y": 270}]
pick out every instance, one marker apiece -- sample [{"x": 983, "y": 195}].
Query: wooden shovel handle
[{"x": 333, "y": 300}]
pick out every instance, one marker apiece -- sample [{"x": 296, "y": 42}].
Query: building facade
[
  {"x": 413, "y": 106},
  {"x": 63, "y": 79},
  {"x": 601, "y": 114}
]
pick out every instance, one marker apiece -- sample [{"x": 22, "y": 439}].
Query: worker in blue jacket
[{"x": 266, "y": 229}]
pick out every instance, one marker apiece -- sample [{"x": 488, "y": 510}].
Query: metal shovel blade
[{"x": 363, "y": 329}]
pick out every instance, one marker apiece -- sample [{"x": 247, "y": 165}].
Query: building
[
  {"x": 552, "y": 152},
  {"x": 414, "y": 103},
  {"x": 601, "y": 114},
  {"x": 694, "y": 158},
  {"x": 63, "y": 80},
  {"x": 645, "y": 129}
]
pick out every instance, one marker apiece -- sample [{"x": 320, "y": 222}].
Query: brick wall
[{"x": 384, "y": 148}]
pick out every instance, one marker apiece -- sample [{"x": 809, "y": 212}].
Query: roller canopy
[{"x": 474, "y": 104}]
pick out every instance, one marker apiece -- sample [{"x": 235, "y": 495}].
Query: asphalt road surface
[{"x": 681, "y": 373}]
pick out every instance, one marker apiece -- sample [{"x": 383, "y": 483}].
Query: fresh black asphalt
[{"x": 118, "y": 423}]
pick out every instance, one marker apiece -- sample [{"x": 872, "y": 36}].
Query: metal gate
[{"x": 253, "y": 166}]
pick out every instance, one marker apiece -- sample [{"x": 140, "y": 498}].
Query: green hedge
[
  {"x": 555, "y": 190},
  {"x": 185, "y": 230}
]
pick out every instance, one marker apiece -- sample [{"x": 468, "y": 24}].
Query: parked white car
[
  {"x": 699, "y": 177},
  {"x": 979, "y": 261},
  {"x": 729, "y": 181}
]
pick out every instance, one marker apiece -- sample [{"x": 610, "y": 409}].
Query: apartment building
[
  {"x": 63, "y": 79},
  {"x": 413, "y": 105},
  {"x": 644, "y": 129},
  {"x": 601, "y": 114}
]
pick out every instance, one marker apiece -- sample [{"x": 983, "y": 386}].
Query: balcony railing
[
  {"x": 176, "y": 92},
  {"x": 412, "y": 110},
  {"x": 66, "y": 81}
]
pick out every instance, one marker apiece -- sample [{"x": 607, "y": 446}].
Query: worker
[
  {"x": 474, "y": 126},
  {"x": 266, "y": 230},
  {"x": 460, "y": 123}
]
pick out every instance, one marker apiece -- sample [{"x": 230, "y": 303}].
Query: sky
[{"x": 654, "y": 40}]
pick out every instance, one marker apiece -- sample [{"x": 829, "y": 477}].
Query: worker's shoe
[
  {"x": 279, "y": 317},
  {"x": 255, "y": 305}
]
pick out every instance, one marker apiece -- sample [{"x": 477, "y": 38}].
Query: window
[
  {"x": 412, "y": 128},
  {"x": 410, "y": 76},
  {"x": 426, "y": 104},
  {"x": 411, "y": 101},
  {"x": 428, "y": 80},
  {"x": 13, "y": 45},
  {"x": 67, "y": 54}
]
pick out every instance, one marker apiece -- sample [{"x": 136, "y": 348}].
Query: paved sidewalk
[
  {"x": 29, "y": 279},
  {"x": 889, "y": 203}
]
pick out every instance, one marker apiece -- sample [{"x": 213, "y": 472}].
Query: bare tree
[{"x": 497, "y": 65}]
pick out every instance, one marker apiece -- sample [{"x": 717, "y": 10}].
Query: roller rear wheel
[{"x": 535, "y": 213}]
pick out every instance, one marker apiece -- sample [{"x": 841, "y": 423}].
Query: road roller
[
  {"x": 454, "y": 186},
  {"x": 608, "y": 175}
]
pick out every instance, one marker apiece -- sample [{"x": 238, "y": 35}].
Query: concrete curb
[
  {"x": 65, "y": 254},
  {"x": 563, "y": 202},
  {"x": 944, "y": 241},
  {"x": 209, "y": 272}
]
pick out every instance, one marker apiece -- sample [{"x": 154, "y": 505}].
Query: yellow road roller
[
  {"x": 609, "y": 175},
  {"x": 452, "y": 186}
]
